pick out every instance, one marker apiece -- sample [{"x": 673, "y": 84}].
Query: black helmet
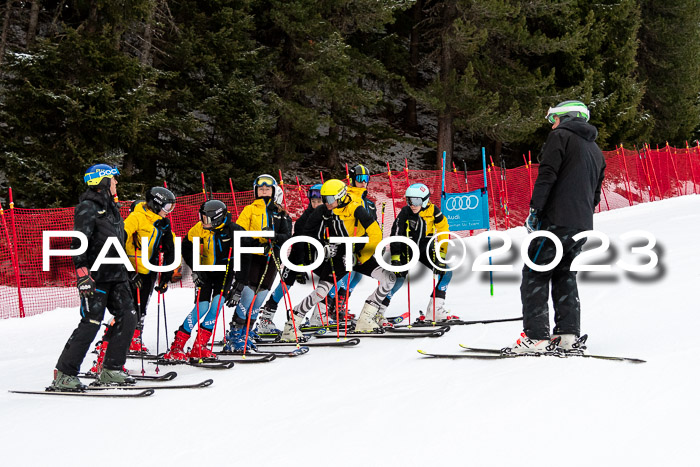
[
  {"x": 213, "y": 212},
  {"x": 359, "y": 173},
  {"x": 160, "y": 199}
]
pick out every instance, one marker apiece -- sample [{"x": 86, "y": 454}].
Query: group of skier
[{"x": 564, "y": 197}]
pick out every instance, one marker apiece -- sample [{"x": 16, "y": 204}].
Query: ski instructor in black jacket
[
  {"x": 567, "y": 190},
  {"x": 97, "y": 216}
]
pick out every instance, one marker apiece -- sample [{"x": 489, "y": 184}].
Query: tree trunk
[
  {"x": 411, "y": 118},
  {"x": 33, "y": 22},
  {"x": 92, "y": 18},
  {"x": 5, "y": 28},
  {"x": 148, "y": 35},
  {"x": 445, "y": 137}
]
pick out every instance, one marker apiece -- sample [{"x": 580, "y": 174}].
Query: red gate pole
[
  {"x": 675, "y": 171},
  {"x": 627, "y": 175},
  {"x": 233, "y": 193},
  {"x": 690, "y": 163},
  {"x": 653, "y": 170},
  {"x": 15, "y": 256},
  {"x": 391, "y": 184}
]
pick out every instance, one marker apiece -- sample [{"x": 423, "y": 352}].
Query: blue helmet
[
  {"x": 314, "y": 191},
  {"x": 418, "y": 195},
  {"x": 98, "y": 172}
]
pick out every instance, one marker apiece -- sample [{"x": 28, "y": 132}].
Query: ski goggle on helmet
[
  {"x": 213, "y": 212},
  {"x": 98, "y": 172},
  {"x": 160, "y": 199},
  {"x": 571, "y": 109},
  {"x": 360, "y": 174},
  {"x": 264, "y": 180},
  {"x": 333, "y": 190},
  {"x": 314, "y": 191},
  {"x": 418, "y": 195}
]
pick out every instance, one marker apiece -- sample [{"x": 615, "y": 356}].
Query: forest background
[{"x": 167, "y": 89}]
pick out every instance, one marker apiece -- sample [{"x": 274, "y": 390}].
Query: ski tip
[
  {"x": 145, "y": 393},
  {"x": 206, "y": 383},
  {"x": 422, "y": 352}
]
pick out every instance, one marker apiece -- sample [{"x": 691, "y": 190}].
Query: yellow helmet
[{"x": 333, "y": 190}]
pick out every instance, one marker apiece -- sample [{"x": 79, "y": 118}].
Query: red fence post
[
  {"x": 391, "y": 184},
  {"x": 15, "y": 256},
  {"x": 690, "y": 163}
]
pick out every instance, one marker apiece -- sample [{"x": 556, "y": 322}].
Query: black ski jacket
[
  {"x": 571, "y": 173},
  {"x": 98, "y": 217}
]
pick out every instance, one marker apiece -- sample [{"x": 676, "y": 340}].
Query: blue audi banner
[{"x": 466, "y": 211}]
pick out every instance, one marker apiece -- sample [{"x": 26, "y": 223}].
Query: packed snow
[{"x": 381, "y": 403}]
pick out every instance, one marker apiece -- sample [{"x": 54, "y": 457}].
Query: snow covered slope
[{"x": 381, "y": 403}]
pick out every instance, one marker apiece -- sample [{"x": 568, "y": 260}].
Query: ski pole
[
  {"x": 335, "y": 284},
  {"x": 221, "y": 297},
  {"x": 252, "y": 304}
]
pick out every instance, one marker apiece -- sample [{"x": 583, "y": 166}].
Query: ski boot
[
  {"x": 367, "y": 322},
  {"x": 571, "y": 343},
  {"x": 115, "y": 378},
  {"x": 176, "y": 351},
  {"x": 101, "y": 349},
  {"x": 289, "y": 334},
  {"x": 441, "y": 313},
  {"x": 527, "y": 346},
  {"x": 265, "y": 324},
  {"x": 199, "y": 349},
  {"x": 136, "y": 343},
  {"x": 64, "y": 382}
]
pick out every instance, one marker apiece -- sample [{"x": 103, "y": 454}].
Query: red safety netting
[{"x": 632, "y": 177}]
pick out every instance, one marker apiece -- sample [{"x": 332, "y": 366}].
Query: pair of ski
[
  {"x": 474, "y": 353},
  {"x": 130, "y": 391}
]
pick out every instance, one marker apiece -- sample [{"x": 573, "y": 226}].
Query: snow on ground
[{"x": 381, "y": 403}]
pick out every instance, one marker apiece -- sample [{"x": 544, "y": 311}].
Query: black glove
[
  {"x": 533, "y": 221},
  {"x": 135, "y": 279},
  {"x": 162, "y": 225},
  {"x": 233, "y": 295},
  {"x": 199, "y": 278},
  {"x": 165, "y": 277},
  {"x": 85, "y": 282},
  {"x": 301, "y": 277},
  {"x": 397, "y": 262}
]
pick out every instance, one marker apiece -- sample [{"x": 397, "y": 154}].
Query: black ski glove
[
  {"x": 199, "y": 278},
  {"x": 233, "y": 295},
  {"x": 165, "y": 277},
  {"x": 533, "y": 221},
  {"x": 135, "y": 279},
  {"x": 85, "y": 282}
]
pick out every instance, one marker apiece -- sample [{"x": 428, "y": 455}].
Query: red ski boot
[
  {"x": 200, "y": 350},
  {"x": 176, "y": 351},
  {"x": 136, "y": 344},
  {"x": 101, "y": 348}
]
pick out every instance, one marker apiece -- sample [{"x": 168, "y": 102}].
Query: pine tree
[{"x": 669, "y": 62}]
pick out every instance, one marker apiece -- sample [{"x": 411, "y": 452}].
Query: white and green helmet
[{"x": 570, "y": 109}]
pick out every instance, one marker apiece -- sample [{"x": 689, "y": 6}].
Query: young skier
[
  {"x": 97, "y": 216},
  {"x": 421, "y": 221},
  {"x": 265, "y": 213},
  {"x": 359, "y": 179},
  {"x": 147, "y": 219},
  {"x": 215, "y": 231},
  {"x": 566, "y": 192},
  {"x": 302, "y": 254},
  {"x": 343, "y": 217}
]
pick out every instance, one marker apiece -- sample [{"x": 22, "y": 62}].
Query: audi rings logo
[{"x": 462, "y": 202}]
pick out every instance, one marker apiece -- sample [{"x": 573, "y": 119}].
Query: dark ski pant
[
  {"x": 534, "y": 288},
  {"x": 116, "y": 297}
]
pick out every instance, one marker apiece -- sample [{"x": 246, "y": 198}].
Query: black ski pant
[
  {"x": 534, "y": 288},
  {"x": 116, "y": 297}
]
